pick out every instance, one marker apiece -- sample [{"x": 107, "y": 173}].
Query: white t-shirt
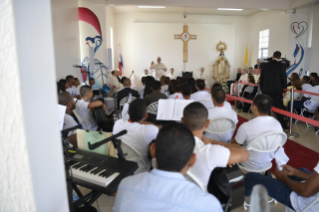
[
  {"x": 68, "y": 123},
  {"x": 140, "y": 89},
  {"x": 139, "y": 136},
  {"x": 305, "y": 87},
  {"x": 313, "y": 102},
  {"x": 164, "y": 88},
  {"x": 176, "y": 96},
  {"x": 226, "y": 105},
  {"x": 252, "y": 129},
  {"x": 203, "y": 97},
  {"x": 299, "y": 202},
  {"x": 86, "y": 114},
  {"x": 222, "y": 112},
  {"x": 73, "y": 91},
  {"x": 208, "y": 157}
]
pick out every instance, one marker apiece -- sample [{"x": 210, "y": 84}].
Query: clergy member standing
[
  {"x": 171, "y": 74},
  {"x": 145, "y": 73},
  {"x": 159, "y": 68},
  {"x": 201, "y": 75}
]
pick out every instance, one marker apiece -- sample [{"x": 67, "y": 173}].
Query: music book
[
  {"x": 171, "y": 109},
  {"x": 281, "y": 158}
]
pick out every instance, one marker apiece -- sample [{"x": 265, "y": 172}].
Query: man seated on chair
[
  {"x": 139, "y": 132},
  {"x": 295, "y": 188},
  {"x": 121, "y": 94},
  {"x": 217, "y": 86},
  {"x": 164, "y": 88},
  {"x": 209, "y": 155},
  {"x": 219, "y": 111},
  {"x": 201, "y": 95},
  {"x": 177, "y": 87},
  {"x": 72, "y": 89},
  {"x": 186, "y": 91},
  {"x": 259, "y": 125},
  {"x": 84, "y": 108},
  {"x": 312, "y": 101},
  {"x": 67, "y": 100},
  {"x": 165, "y": 188}
]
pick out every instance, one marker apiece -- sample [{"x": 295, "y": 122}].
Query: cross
[{"x": 185, "y": 37}]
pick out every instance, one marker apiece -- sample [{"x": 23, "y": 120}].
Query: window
[
  {"x": 263, "y": 44},
  {"x": 112, "y": 46}
]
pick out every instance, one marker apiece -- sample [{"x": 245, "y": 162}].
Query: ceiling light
[
  {"x": 229, "y": 9},
  {"x": 153, "y": 7}
]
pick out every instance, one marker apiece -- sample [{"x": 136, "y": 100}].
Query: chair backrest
[
  {"x": 268, "y": 142},
  {"x": 221, "y": 125},
  {"x": 311, "y": 204},
  {"x": 79, "y": 119},
  {"x": 127, "y": 100},
  {"x": 191, "y": 177},
  {"x": 152, "y": 108},
  {"x": 134, "y": 155}
]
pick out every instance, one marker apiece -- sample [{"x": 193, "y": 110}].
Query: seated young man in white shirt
[
  {"x": 72, "y": 89},
  {"x": 139, "y": 132},
  {"x": 177, "y": 87},
  {"x": 219, "y": 86},
  {"x": 164, "y": 88},
  {"x": 312, "y": 101},
  {"x": 67, "y": 100},
  {"x": 261, "y": 124},
  {"x": 165, "y": 188},
  {"x": 84, "y": 108},
  {"x": 295, "y": 188},
  {"x": 201, "y": 95},
  {"x": 219, "y": 111},
  {"x": 209, "y": 154}
]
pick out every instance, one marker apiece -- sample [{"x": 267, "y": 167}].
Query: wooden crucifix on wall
[{"x": 185, "y": 37}]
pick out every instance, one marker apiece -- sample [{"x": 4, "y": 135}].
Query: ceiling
[{"x": 184, "y": 10}]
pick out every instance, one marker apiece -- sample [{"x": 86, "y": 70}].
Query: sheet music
[
  {"x": 61, "y": 111},
  {"x": 281, "y": 158},
  {"x": 180, "y": 104},
  {"x": 165, "y": 109}
]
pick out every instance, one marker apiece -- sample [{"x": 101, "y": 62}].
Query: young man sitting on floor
[
  {"x": 165, "y": 188},
  {"x": 67, "y": 100},
  {"x": 295, "y": 188},
  {"x": 219, "y": 111},
  {"x": 261, "y": 124},
  {"x": 139, "y": 132},
  {"x": 209, "y": 154},
  {"x": 84, "y": 108}
]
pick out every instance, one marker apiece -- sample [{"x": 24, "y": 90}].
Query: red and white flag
[{"x": 120, "y": 61}]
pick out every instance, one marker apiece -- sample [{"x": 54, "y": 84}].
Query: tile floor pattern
[{"x": 307, "y": 137}]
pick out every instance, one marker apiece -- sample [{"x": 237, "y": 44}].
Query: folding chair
[
  {"x": 191, "y": 177},
  {"x": 218, "y": 129},
  {"x": 152, "y": 108},
  {"x": 287, "y": 209}
]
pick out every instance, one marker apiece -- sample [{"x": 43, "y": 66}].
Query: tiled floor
[{"x": 307, "y": 137}]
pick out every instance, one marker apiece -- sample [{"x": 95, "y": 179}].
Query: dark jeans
[
  {"x": 278, "y": 103},
  {"x": 275, "y": 188}
]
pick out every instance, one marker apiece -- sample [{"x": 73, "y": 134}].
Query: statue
[{"x": 221, "y": 66}]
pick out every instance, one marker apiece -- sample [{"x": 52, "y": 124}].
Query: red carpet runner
[{"x": 299, "y": 156}]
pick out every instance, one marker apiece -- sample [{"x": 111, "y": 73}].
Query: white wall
[
  {"x": 314, "y": 61},
  {"x": 65, "y": 21},
  {"x": 278, "y": 24},
  {"x": 125, "y": 22},
  {"x": 31, "y": 163},
  {"x": 109, "y": 24}
]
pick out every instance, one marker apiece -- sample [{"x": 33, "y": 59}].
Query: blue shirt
[{"x": 162, "y": 191}]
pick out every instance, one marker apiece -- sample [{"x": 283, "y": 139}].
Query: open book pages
[{"x": 171, "y": 109}]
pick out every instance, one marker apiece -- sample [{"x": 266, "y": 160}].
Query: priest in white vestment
[
  {"x": 243, "y": 78},
  {"x": 201, "y": 75},
  {"x": 145, "y": 74},
  {"x": 159, "y": 68},
  {"x": 171, "y": 74}
]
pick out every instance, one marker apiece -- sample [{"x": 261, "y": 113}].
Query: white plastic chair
[
  {"x": 152, "y": 108},
  {"x": 79, "y": 119},
  {"x": 268, "y": 142},
  {"x": 125, "y": 100},
  {"x": 191, "y": 177},
  {"x": 134, "y": 155},
  {"x": 218, "y": 128},
  {"x": 287, "y": 209}
]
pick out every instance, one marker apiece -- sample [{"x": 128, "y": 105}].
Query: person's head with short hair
[
  {"x": 219, "y": 97},
  {"x": 77, "y": 82},
  {"x": 251, "y": 79},
  {"x": 137, "y": 110},
  {"x": 216, "y": 86},
  {"x": 315, "y": 82},
  {"x": 296, "y": 82},
  {"x": 257, "y": 71},
  {"x": 148, "y": 84},
  {"x": 258, "y": 61},
  {"x": 171, "y": 71},
  {"x": 91, "y": 82},
  {"x": 277, "y": 55},
  {"x": 243, "y": 71},
  {"x": 178, "y": 78},
  {"x": 183, "y": 80},
  {"x": 122, "y": 80},
  {"x": 167, "y": 80},
  {"x": 156, "y": 86},
  {"x": 261, "y": 106},
  {"x": 143, "y": 80},
  {"x": 294, "y": 76},
  {"x": 63, "y": 85},
  {"x": 159, "y": 60},
  {"x": 186, "y": 91},
  {"x": 127, "y": 83},
  {"x": 146, "y": 71},
  {"x": 195, "y": 117},
  {"x": 177, "y": 87},
  {"x": 250, "y": 70},
  {"x": 202, "y": 69},
  {"x": 162, "y": 80},
  {"x": 86, "y": 92},
  {"x": 70, "y": 80},
  {"x": 171, "y": 87},
  {"x": 115, "y": 73},
  {"x": 313, "y": 75},
  {"x": 239, "y": 70},
  {"x": 173, "y": 148},
  {"x": 305, "y": 80},
  {"x": 191, "y": 82},
  {"x": 67, "y": 100},
  {"x": 200, "y": 84}
]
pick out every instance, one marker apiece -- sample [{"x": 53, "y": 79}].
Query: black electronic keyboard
[{"x": 98, "y": 172}]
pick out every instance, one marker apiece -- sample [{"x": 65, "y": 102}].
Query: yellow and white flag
[{"x": 246, "y": 58}]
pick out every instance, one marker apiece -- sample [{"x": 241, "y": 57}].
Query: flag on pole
[
  {"x": 246, "y": 57},
  {"x": 120, "y": 60}
]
